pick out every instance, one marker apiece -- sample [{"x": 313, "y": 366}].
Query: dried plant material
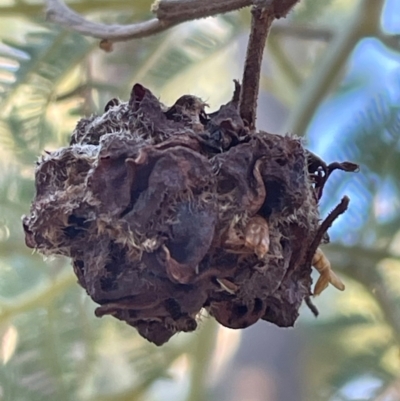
[
  {"x": 227, "y": 285},
  {"x": 257, "y": 236},
  {"x": 168, "y": 210},
  {"x": 328, "y": 276}
]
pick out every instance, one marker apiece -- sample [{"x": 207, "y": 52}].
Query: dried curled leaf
[
  {"x": 168, "y": 210},
  {"x": 327, "y": 275}
]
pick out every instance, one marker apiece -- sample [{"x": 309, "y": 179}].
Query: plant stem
[
  {"x": 262, "y": 15},
  {"x": 260, "y": 24},
  {"x": 169, "y": 13}
]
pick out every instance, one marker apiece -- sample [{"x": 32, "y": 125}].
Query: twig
[
  {"x": 169, "y": 13},
  {"x": 186, "y": 10},
  {"x": 323, "y": 228},
  {"x": 311, "y": 306},
  {"x": 263, "y": 14},
  {"x": 332, "y": 216},
  {"x": 260, "y": 24},
  {"x": 58, "y": 12}
]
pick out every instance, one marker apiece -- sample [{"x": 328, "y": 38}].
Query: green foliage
[
  {"x": 48, "y": 57},
  {"x": 361, "y": 344},
  {"x": 57, "y": 349}
]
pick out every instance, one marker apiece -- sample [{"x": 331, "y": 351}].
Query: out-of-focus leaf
[
  {"x": 49, "y": 56},
  {"x": 8, "y": 342}
]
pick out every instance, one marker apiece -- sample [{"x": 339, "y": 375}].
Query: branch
[
  {"x": 59, "y": 13},
  {"x": 323, "y": 228},
  {"x": 260, "y": 24},
  {"x": 186, "y": 10},
  {"x": 169, "y": 13},
  {"x": 263, "y": 14}
]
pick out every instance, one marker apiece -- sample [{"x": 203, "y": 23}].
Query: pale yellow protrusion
[
  {"x": 322, "y": 264},
  {"x": 227, "y": 285},
  {"x": 257, "y": 236}
]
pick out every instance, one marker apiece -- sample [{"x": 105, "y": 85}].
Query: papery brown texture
[{"x": 168, "y": 210}]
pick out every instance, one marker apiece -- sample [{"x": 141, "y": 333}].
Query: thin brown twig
[
  {"x": 263, "y": 14},
  {"x": 61, "y": 14},
  {"x": 260, "y": 24},
  {"x": 323, "y": 228},
  {"x": 193, "y": 9},
  {"x": 169, "y": 13},
  {"x": 311, "y": 306}
]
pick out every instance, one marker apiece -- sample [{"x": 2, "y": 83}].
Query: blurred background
[{"x": 331, "y": 74}]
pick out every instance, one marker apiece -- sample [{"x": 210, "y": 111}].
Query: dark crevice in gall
[
  {"x": 173, "y": 308},
  {"x": 80, "y": 264},
  {"x": 115, "y": 260},
  {"x": 139, "y": 186},
  {"x": 258, "y": 305},
  {"x": 274, "y": 200},
  {"x": 240, "y": 310},
  {"x": 108, "y": 284},
  {"x": 76, "y": 227}
]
